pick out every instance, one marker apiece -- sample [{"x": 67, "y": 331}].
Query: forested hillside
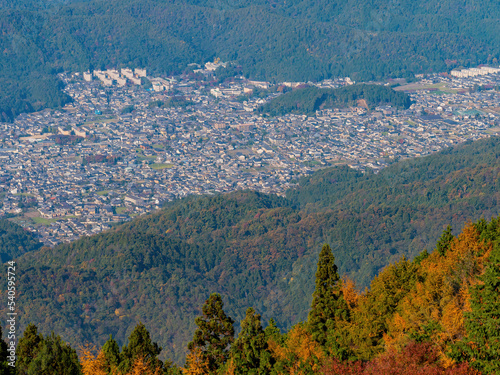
[
  {"x": 15, "y": 241},
  {"x": 309, "y": 100},
  {"x": 270, "y": 40},
  {"x": 255, "y": 249},
  {"x": 435, "y": 315}
]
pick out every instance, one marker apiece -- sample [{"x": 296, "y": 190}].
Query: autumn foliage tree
[
  {"x": 434, "y": 309},
  {"x": 297, "y": 354}
]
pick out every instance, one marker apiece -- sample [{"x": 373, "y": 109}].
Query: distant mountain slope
[
  {"x": 271, "y": 40},
  {"x": 256, "y": 250}
]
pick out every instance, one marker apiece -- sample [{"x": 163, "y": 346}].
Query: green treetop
[
  {"x": 141, "y": 346},
  {"x": 444, "y": 241},
  {"x": 328, "y": 307},
  {"x": 481, "y": 346},
  {"x": 28, "y": 348},
  {"x": 111, "y": 352},
  {"x": 214, "y": 334},
  {"x": 54, "y": 357},
  {"x": 4, "y": 365},
  {"x": 249, "y": 350}
]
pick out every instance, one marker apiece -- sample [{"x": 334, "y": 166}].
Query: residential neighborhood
[{"x": 130, "y": 142}]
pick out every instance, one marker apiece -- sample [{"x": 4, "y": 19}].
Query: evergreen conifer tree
[
  {"x": 444, "y": 241},
  {"x": 273, "y": 332},
  {"x": 481, "y": 347},
  {"x": 248, "y": 350},
  {"x": 27, "y": 348},
  {"x": 111, "y": 352},
  {"x": 139, "y": 346},
  {"x": 54, "y": 357},
  {"x": 214, "y": 334},
  {"x": 329, "y": 308}
]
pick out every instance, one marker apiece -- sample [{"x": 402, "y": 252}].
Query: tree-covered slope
[
  {"x": 15, "y": 241},
  {"x": 270, "y": 40},
  {"x": 310, "y": 99},
  {"x": 255, "y": 249}
]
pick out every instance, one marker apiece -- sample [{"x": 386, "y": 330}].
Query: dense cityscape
[{"x": 129, "y": 142}]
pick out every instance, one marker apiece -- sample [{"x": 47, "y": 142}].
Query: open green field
[
  {"x": 43, "y": 220},
  {"x": 159, "y": 166},
  {"x": 100, "y": 121},
  {"x": 442, "y": 88},
  {"x": 24, "y": 194},
  {"x": 120, "y": 210}
]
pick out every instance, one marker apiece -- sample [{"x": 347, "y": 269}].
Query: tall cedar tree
[
  {"x": 481, "y": 347},
  {"x": 248, "y": 352},
  {"x": 55, "y": 357},
  {"x": 444, "y": 241},
  {"x": 111, "y": 352},
  {"x": 140, "y": 346},
  {"x": 214, "y": 335},
  {"x": 329, "y": 308},
  {"x": 27, "y": 349}
]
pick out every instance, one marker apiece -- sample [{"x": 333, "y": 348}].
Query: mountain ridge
[{"x": 360, "y": 39}]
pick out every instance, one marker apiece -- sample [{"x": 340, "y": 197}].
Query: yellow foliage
[
  {"x": 195, "y": 364},
  {"x": 349, "y": 292},
  {"x": 442, "y": 297},
  {"x": 230, "y": 368},
  {"x": 298, "y": 350},
  {"x": 142, "y": 367},
  {"x": 92, "y": 363}
]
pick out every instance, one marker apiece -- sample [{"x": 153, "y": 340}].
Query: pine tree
[
  {"x": 139, "y": 346},
  {"x": 272, "y": 332},
  {"x": 248, "y": 350},
  {"x": 444, "y": 241},
  {"x": 111, "y": 352},
  {"x": 28, "y": 348},
  {"x": 481, "y": 347},
  {"x": 214, "y": 334},
  {"x": 329, "y": 308},
  {"x": 55, "y": 357}
]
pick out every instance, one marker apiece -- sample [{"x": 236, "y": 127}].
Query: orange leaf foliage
[
  {"x": 195, "y": 365},
  {"x": 142, "y": 367},
  {"x": 349, "y": 292},
  {"x": 441, "y": 297},
  {"x": 298, "y": 353},
  {"x": 92, "y": 363}
]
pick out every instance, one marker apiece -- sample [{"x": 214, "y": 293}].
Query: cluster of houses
[{"x": 116, "y": 152}]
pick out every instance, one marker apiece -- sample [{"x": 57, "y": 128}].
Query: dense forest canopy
[
  {"x": 254, "y": 249},
  {"x": 435, "y": 315},
  {"x": 15, "y": 241},
  {"x": 269, "y": 40}
]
